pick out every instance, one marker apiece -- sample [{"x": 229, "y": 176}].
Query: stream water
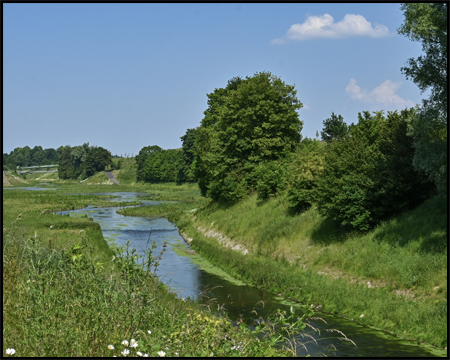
[{"x": 190, "y": 275}]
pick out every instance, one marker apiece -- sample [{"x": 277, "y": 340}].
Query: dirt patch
[{"x": 222, "y": 239}]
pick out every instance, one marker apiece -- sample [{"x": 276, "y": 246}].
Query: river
[{"x": 191, "y": 276}]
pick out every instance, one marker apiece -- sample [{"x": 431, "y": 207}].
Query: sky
[{"x": 125, "y": 76}]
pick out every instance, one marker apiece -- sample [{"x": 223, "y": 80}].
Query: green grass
[
  {"x": 396, "y": 274},
  {"x": 66, "y": 293}
]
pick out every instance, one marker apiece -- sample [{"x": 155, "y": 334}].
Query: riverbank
[
  {"x": 393, "y": 278},
  {"x": 67, "y": 292}
]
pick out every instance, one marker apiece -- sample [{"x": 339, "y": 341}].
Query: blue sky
[{"x": 125, "y": 76}]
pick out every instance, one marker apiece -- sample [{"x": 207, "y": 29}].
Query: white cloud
[
  {"x": 325, "y": 27},
  {"x": 383, "y": 94}
]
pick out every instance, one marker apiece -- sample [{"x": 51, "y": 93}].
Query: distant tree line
[
  {"x": 80, "y": 162},
  {"x": 31, "y": 157}
]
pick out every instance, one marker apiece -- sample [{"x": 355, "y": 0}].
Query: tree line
[
  {"x": 249, "y": 141},
  {"x": 31, "y": 157}
]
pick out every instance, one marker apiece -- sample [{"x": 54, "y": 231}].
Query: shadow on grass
[
  {"x": 329, "y": 232},
  {"x": 427, "y": 224},
  {"x": 218, "y": 205}
]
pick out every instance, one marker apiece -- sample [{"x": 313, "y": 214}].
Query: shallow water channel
[{"x": 190, "y": 275}]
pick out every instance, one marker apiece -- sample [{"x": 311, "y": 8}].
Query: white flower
[
  {"x": 10, "y": 351},
  {"x": 134, "y": 344},
  {"x": 167, "y": 348},
  {"x": 51, "y": 226},
  {"x": 161, "y": 353},
  {"x": 110, "y": 347},
  {"x": 125, "y": 343},
  {"x": 139, "y": 353},
  {"x": 149, "y": 331},
  {"x": 145, "y": 355},
  {"x": 133, "y": 341},
  {"x": 362, "y": 315},
  {"x": 125, "y": 352}
]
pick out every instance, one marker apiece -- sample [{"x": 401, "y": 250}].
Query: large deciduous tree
[
  {"x": 427, "y": 23},
  {"x": 97, "y": 159},
  {"x": 251, "y": 121}
]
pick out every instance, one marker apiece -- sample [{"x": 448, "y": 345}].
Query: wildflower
[
  {"x": 362, "y": 315},
  {"x": 110, "y": 347},
  {"x": 145, "y": 355},
  {"x": 134, "y": 344},
  {"x": 139, "y": 353},
  {"x": 125, "y": 352},
  {"x": 51, "y": 226},
  {"x": 149, "y": 331},
  {"x": 161, "y": 353},
  {"x": 10, "y": 351},
  {"x": 125, "y": 343}
]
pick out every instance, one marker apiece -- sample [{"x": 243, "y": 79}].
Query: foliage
[
  {"x": 368, "y": 176},
  {"x": 251, "y": 121},
  {"x": 271, "y": 178},
  {"x": 30, "y": 157},
  {"x": 188, "y": 140},
  {"x": 334, "y": 128},
  {"x": 399, "y": 187},
  {"x": 141, "y": 158},
  {"x": 427, "y": 23},
  {"x": 65, "y": 168},
  {"x": 158, "y": 165},
  {"x": 83, "y": 161},
  {"x": 97, "y": 159},
  {"x": 307, "y": 164}
]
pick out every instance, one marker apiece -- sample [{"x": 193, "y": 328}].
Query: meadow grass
[
  {"x": 395, "y": 274},
  {"x": 66, "y": 293}
]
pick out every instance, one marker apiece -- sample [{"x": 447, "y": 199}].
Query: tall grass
[
  {"x": 64, "y": 303},
  {"x": 396, "y": 274},
  {"x": 65, "y": 293}
]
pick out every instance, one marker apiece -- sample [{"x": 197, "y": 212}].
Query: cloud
[
  {"x": 325, "y": 27},
  {"x": 383, "y": 94}
]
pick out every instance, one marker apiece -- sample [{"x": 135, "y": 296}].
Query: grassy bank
[
  {"x": 392, "y": 278},
  {"x": 66, "y": 293}
]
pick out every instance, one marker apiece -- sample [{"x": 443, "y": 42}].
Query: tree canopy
[
  {"x": 252, "y": 120},
  {"x": 427, "y": 23},
  {"x": 334, "y": 128}
]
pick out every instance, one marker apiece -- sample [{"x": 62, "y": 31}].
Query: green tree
[
  {"x": 97, "y": 159},
  {"x": 65, "y": 168},
  {"x": 141, "y": 159},
  {"x": 369, "y": 175},
  {"x": 188, "y": 141},
  {"x": 303, "y": 172},
  {"x": 334, "y": 128},
  {"x": 427, "y": 23},
  {"x": 51, "y": 156},
  {"x": 79, "y": 155},
  {"x": 251, "y": 121}
]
